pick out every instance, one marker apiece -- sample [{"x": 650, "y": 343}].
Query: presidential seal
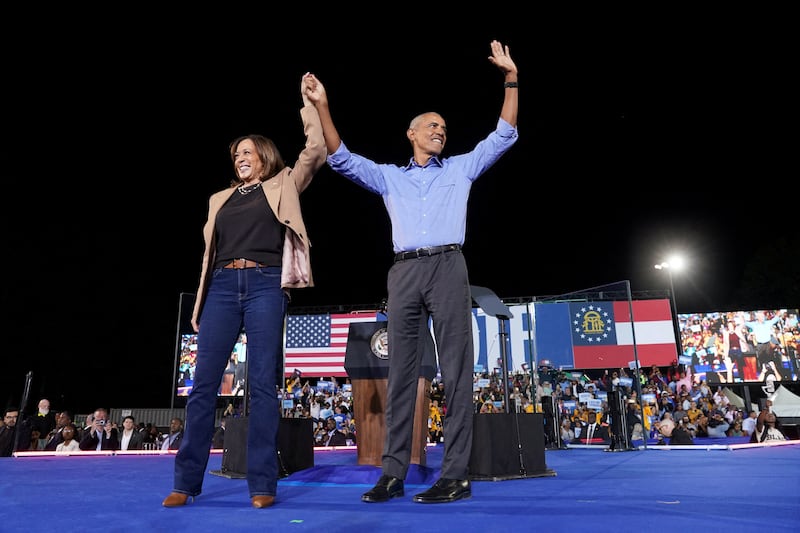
[{"x": 379, "y": 344}]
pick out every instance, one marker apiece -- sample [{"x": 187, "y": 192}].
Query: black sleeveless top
[{"x": 246, "y": 227}]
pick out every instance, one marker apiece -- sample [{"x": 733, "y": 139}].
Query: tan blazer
[{"x": 283, "y": 195}]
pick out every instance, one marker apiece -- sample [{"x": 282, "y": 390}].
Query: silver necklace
[{"x": 248, "y": 189}]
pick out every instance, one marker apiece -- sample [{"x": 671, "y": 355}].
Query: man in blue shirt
[
  {"x": 762, "y": 330},
  {"x": 427, "y": 204}
]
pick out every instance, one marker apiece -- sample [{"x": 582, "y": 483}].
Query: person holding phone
[
  {"x": 768, "y": 427},
  {"x": 102, "y": 434}
]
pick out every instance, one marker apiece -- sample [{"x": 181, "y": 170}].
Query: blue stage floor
[{"x": 657, "y": 489}]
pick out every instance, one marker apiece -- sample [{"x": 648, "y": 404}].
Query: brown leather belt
[
  {"x": 427, "y": 251},
  {"x": 243, "y": 263}
]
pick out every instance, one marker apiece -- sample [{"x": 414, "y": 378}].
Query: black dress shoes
[
  {"x": 385, "y": 489},
  {"x": 446, "y": 490}
]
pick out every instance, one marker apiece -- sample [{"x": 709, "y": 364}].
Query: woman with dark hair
[{"x": 256, "y": 250}]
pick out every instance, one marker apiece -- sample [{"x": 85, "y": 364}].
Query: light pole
[
  {"x": 665, "y": 266},
  {"x": 675, "y": 263}
]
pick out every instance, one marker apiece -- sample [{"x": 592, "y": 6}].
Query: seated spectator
[
  {"x": 334, "y": 436},
  {"x": 732, "y": 414},
  {"x": 694, "y": 412},
  {"x": 702, "y": 426},
  {"x": 595, "y": 432},
  {"x": 68, "y": 442},
  {"x": 102, "y": 434},
  {"x": 736, "y": 430},
  {"x": 749, "y": 423},
  {"x": 151, "y": 437},
  {"x": 664, "y": 427},
  {"x": 679, "y": 412},
  {"x": 665, "y": 404},
  {"x": 87, "y": 426},
  {"x": 690, "y": 427},
  {"x": 320, "y": 433},
  {"x": 9, "y": 430},
  {"x": 37, "y": 443},
  {"x": 130, "y": 438},
  {"x": 680, "y": 433},
  {"x": 567, "y": 434},
  {"x": 173, "y": 440},
  {"x": 55, "y": 437},
  {"x": 44, "y": 420},
  {"x": 717, "y": 426}
]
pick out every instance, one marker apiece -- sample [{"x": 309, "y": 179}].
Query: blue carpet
[{"x": 748, "y": 489}]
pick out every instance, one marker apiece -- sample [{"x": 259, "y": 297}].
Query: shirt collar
[{"x": 434, "y": 160}]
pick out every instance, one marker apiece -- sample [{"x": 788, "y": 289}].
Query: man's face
[
  {"x": 10, "y": 418},
  {"x": 429, "y": 134}
]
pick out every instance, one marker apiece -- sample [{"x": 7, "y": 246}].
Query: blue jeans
[{"x": 251, "y": 298}]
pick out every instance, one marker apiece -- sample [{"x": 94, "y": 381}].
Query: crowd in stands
[
  {"x": 57, "y": 432},
  {"x": 670, "y": 399},
  {"x": 674, "y": 408}
]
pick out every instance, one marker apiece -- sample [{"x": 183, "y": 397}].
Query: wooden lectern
[{"x": 367, "y": 365}]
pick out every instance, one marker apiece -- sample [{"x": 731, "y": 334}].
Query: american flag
[{"x": 316, "y": 344}]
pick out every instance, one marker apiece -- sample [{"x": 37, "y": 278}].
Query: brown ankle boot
[
  {"x": 259, "y": 502},
  {"x": 175, "y": 499}
]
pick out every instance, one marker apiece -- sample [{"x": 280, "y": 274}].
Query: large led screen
[
  {"x": 741, "y": 346},
  {"x": 233, "y": 380}
]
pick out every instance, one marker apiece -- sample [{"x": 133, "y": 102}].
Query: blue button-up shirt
[{"x": 427, "y": 205}]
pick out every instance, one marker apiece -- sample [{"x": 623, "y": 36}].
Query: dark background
[{"x": 640, "y": 135}]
